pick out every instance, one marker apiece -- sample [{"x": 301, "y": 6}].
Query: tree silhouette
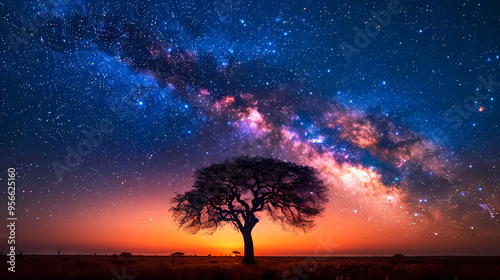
[
  {"x": 176, "y": 254},
  {"x": 59, "y": 251},
  {"x": 236, "y": 253},
  {"x": 237, "y": 190}
]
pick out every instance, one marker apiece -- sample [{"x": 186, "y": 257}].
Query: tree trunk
[{"x": 247, "y": 238}]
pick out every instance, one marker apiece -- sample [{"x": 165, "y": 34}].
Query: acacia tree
[
  {"x": 236, "y": 253},
  {"x": 237, "y": 190}
]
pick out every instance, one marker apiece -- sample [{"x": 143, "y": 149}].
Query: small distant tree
[
  {"x": 237, "y": 190},
  {"x": 176, "y": 254},
  {"x": 236, "y": 253},
  {"x": 59, "y": 252}
]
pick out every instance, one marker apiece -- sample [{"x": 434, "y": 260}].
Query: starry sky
[{"x": 108, "y": 107}]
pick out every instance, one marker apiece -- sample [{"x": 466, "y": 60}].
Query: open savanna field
[{"x": 197, "y": 268}]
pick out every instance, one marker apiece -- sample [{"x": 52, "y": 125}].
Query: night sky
[{"x": 108, "y": 107}]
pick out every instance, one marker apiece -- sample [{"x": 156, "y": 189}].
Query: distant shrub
[{"x": 178, "y": 254}]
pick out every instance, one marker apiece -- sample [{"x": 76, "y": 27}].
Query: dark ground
[{"x": 221, "y": 268}]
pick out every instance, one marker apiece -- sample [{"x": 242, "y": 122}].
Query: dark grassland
[{"x": 221, "y": 268}]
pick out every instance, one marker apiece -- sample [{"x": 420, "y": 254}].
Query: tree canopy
[{"x": 236, "y": 190}]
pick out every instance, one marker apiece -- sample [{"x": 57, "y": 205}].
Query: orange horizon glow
[{"x": 152, "y": 232}]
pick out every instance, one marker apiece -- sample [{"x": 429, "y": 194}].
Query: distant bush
[
  {"x": 398, "y": 256},
  {"x": 178, "y": 254}
]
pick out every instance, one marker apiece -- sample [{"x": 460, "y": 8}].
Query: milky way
[{"x": 185, "y": 84}]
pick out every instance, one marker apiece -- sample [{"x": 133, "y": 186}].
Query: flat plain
[{"x": 220, "y": 268}]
